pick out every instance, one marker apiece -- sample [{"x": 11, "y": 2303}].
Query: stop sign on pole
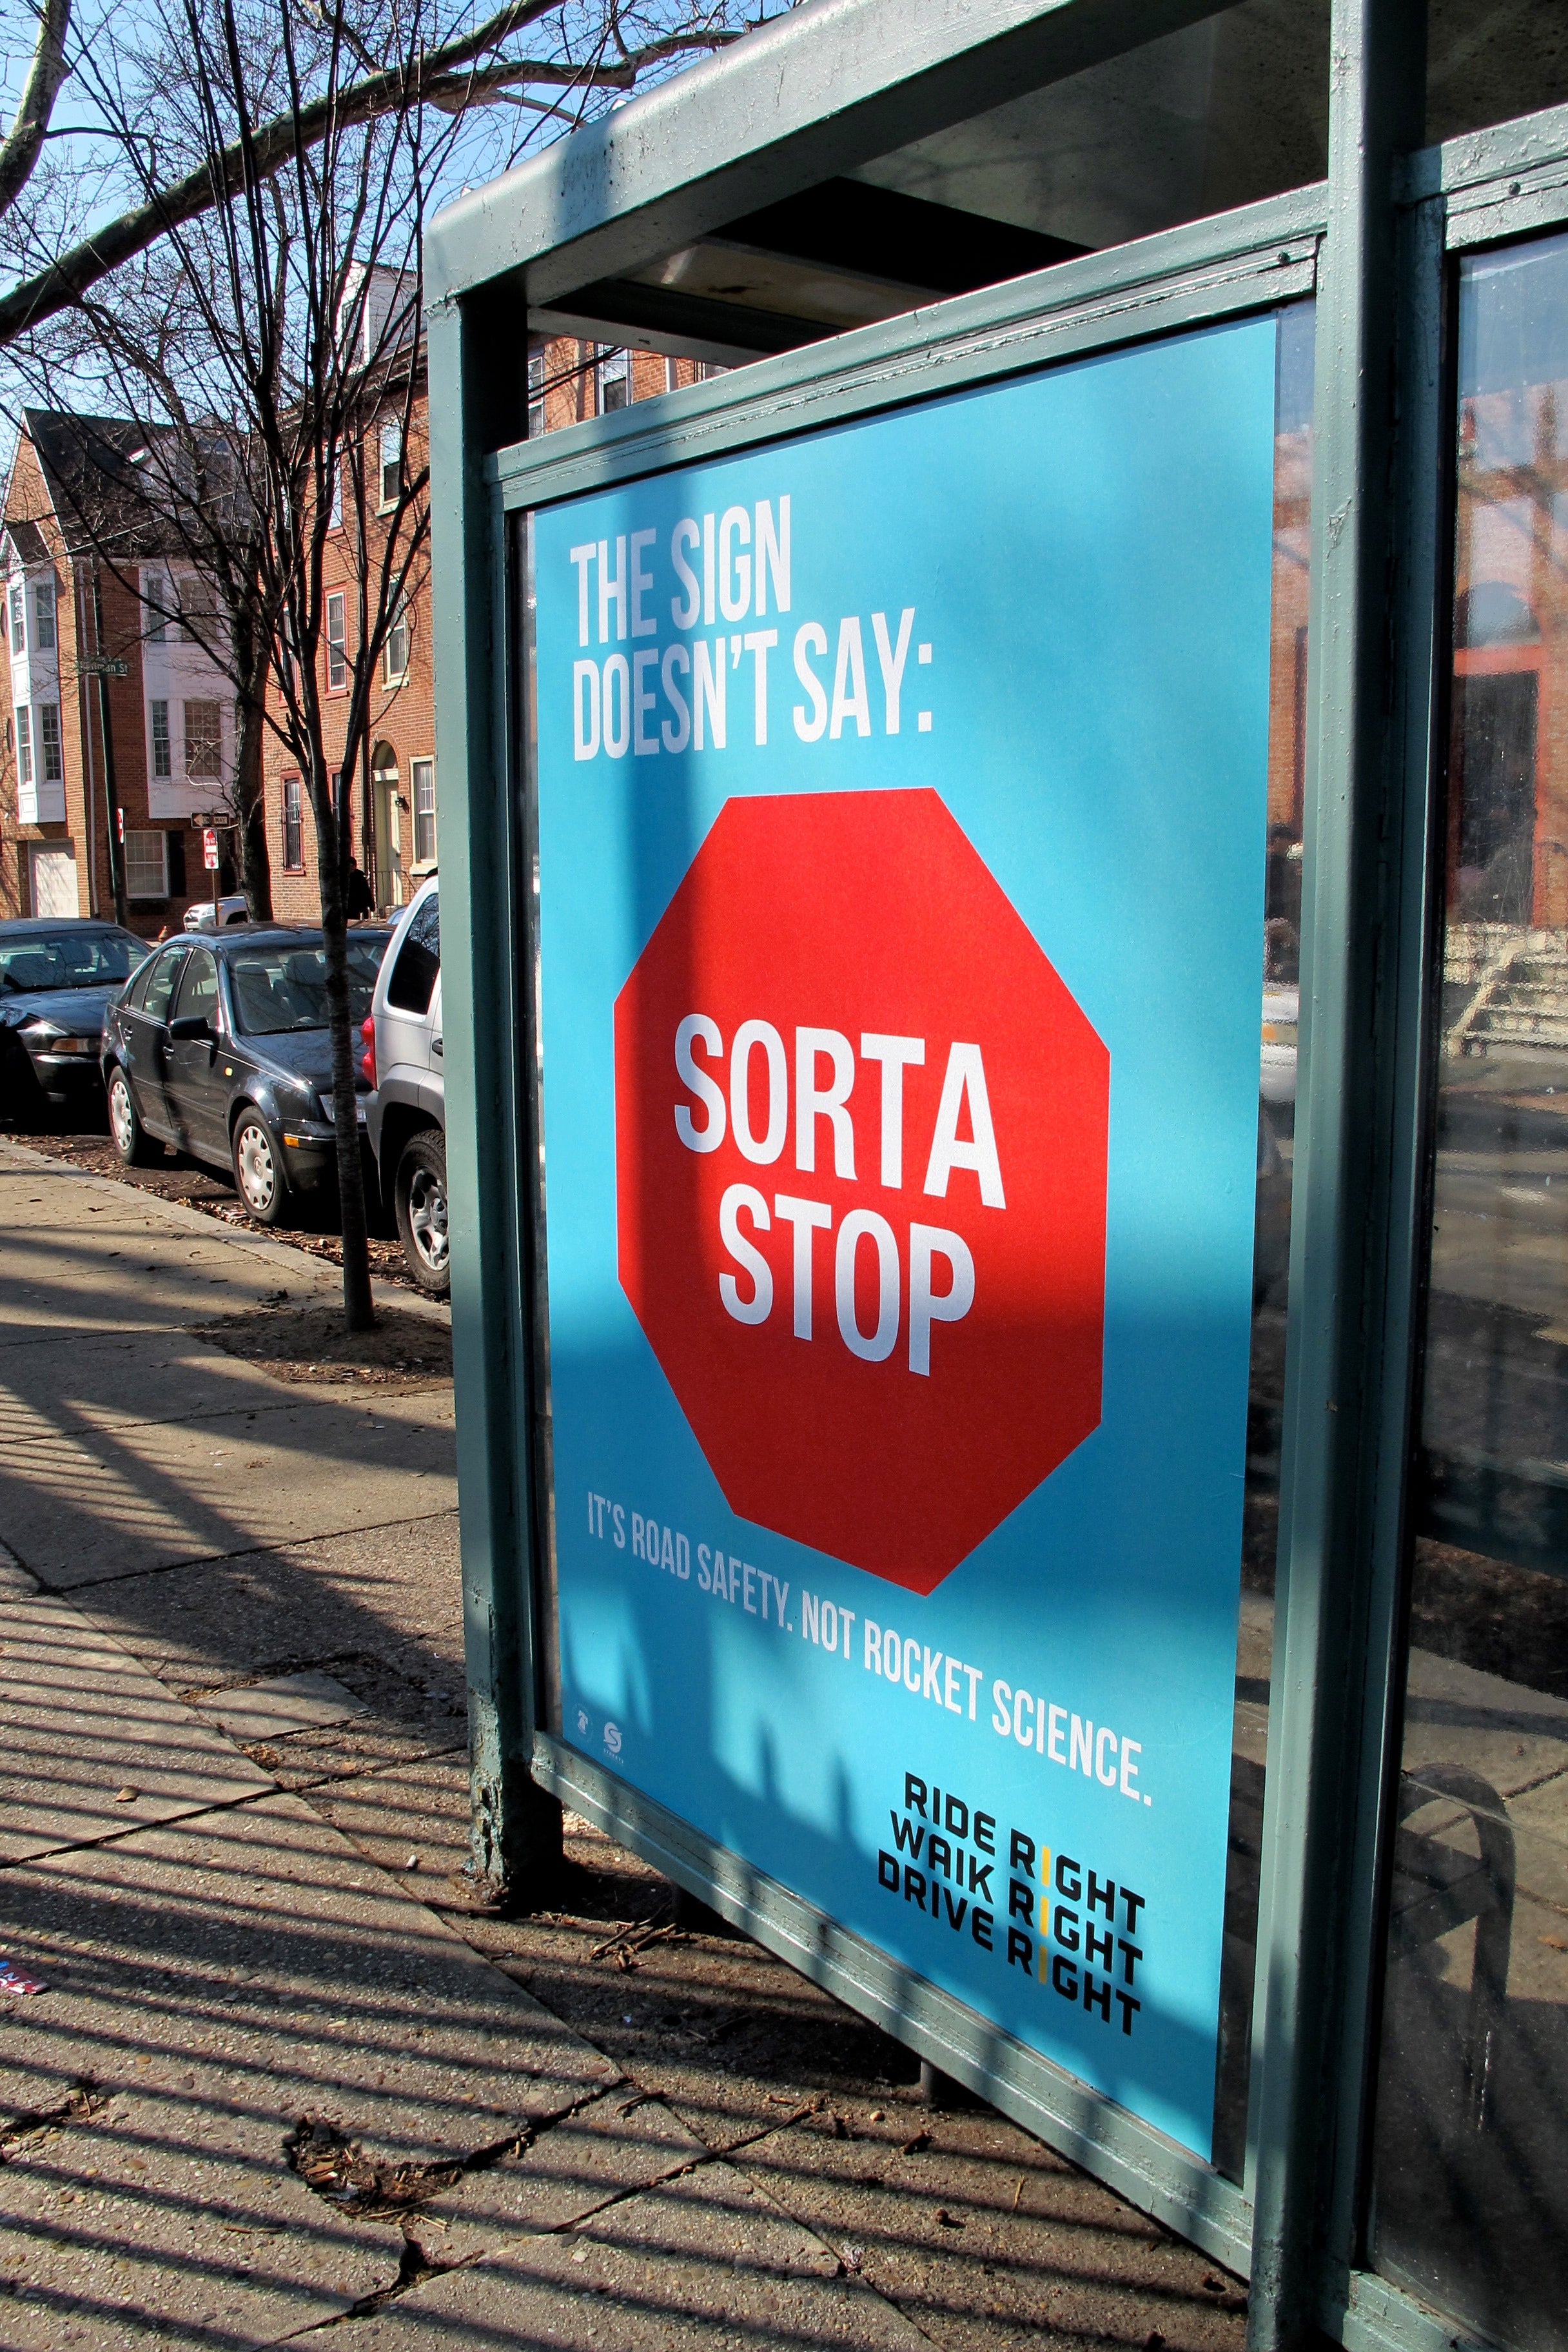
[{"x": 861, "y": 1139}]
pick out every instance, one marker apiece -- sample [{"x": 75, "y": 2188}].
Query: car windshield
[
  {"x": 69, "y": 960},
  {"x": 283, "y": 988}
]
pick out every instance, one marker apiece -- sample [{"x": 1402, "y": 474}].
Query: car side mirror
[{"x": 189, "y": 1027}]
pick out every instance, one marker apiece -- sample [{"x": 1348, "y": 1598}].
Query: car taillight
[{"x": 367, "y": 1059}]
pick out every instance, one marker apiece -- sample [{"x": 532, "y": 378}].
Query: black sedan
[
  {"x": 220, "y": 1047},
  {"x": 57, "y": 977}
]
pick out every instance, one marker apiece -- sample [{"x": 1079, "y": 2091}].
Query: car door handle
[{"x": 436, "y": 1047}]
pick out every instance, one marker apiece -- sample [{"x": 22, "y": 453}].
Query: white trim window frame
[
  {"x": 422, "y": 786},
  {"x": 24, "y": 745},
  {"x": 389, "y": 464},
  {"x": 146, "y": 866},
  {"x": 613, "y": 378},
  {"x": 51, "y": 750},
  {"x": 293, "y": 797},
  {"x": 203, "y": 719},
  {"x": 337, "y": 641},
  {"x": 398, "y": 646},
  {"x": 156, "y": 604}
]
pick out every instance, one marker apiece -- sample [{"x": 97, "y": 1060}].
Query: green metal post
[
  {"x": 1346, "y": 1386},
  {"x": 478, "y": 401}
]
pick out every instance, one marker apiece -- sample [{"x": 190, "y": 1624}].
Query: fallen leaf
[
  {"x": 914, "y": 2147},
  {"x": 126, "y": 1796}
]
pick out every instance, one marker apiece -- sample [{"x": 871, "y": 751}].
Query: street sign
[
  {"x": 209, "y": 850},
  {"x": 100, "y": 666},
  {"x": 902, "y": 816}
]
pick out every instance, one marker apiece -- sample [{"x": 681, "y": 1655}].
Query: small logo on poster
[
  {"x": 612, "y": 1739},
  {"x": 581, "y": 1719}
]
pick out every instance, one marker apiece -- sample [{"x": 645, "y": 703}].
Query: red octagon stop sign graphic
[{"x": 860, "y": 1137}]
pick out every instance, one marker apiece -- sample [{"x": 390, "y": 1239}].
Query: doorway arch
[{"x": 386, "y": 850}]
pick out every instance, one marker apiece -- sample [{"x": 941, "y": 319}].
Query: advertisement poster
[{"x": 901, "y": 813}]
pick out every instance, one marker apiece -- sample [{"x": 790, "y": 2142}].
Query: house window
[
  {"x": 615, "y": 380},
  {"x": 535, "y": 394},
  {"x": 203, "y": 741},
  {"x": 293, "y": 827},
  {"x": 424, "y": 776},
  {"x": 24, "y": 744},
  {"x": 162, "y": 765},
  {"x": 155, "y": 603},
  {"x": 335, "y": 519},
  {"x": 337, "y": 662},
  {"x": 18, "y": 621},
  {"x": 146, "y": 866},
  {"x": 391, "y": 462},
  {"x": 44, "y": 615},
  {"x": 198, "y": 611},
  {"x": 49, "y": 741},
  {"x": 397, "y": 646}
]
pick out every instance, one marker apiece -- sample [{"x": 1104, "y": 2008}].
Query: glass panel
[
  {"x": 1276, "y": 1132},
  {"x": 1281, "y": 898},
  {"x": 1487, "y": 60},
  {"x": 1470, "y": 2203}
]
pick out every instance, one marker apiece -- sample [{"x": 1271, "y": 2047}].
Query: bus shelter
[{"x": 1007, "y": 1059}]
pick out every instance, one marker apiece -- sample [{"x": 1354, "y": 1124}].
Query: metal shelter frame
[{"x": 822, "y": 90}]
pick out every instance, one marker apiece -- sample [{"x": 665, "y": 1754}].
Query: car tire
[
  {"x": 133, "y": 1144},
  {"x": 419, "y": 1197},
  {"x": 258, "y": 1171}
]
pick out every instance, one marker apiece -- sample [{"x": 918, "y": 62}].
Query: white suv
[{"x": 405, "y": 1119}]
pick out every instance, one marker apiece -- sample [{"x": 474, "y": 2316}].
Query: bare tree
[
  {"x": 461, "y": 62},
  {"x": 268, "y": 336}
]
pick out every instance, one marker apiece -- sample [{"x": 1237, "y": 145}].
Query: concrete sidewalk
[{"x": 280, "y": 2080}]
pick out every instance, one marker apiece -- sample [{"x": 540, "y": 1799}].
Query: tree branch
[
  {"x": 438, "y": 76},
  {"x": 23, "y": 143}
]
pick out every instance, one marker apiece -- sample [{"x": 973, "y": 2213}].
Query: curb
[{"x": 279, "y": 1258}]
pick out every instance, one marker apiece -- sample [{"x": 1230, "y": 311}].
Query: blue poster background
[{"x": 1088, "y": 550}]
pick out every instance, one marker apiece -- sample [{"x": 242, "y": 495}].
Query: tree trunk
[
  {"x": 359, "y": 1308},
  {"x": 256, "y": 863}
]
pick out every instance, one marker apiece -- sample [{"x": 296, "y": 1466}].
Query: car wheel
[
  {"x": 420, "y": 1199},
  {"x": 135, "y": 1146},
  {"x": 258, "y": 1169}
]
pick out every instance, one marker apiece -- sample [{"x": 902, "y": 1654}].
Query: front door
[
  {"x": 147, "y": 1041},
  {"x": 387, "y": 880},
  {"x": 198, "y": 1095}
]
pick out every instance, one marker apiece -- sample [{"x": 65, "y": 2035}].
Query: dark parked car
[
  {"x": 219, "y": 1046},
  {"x": 57, "y": 977}
]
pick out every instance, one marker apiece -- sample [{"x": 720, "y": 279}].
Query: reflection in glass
[
  {"x": 1470, "y": 2202},
  {"x": 1276, "y": 1128}
]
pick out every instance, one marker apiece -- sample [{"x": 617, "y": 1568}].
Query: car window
[
  {"x": 418, "y": 959},
  {"x": 135, "y": 995},
  {"x": 161, "y": 986},
  {"x": 198, "y": 990},
  {"x": 284, "y": 987},
  {"x": 81, "y": 959}
]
